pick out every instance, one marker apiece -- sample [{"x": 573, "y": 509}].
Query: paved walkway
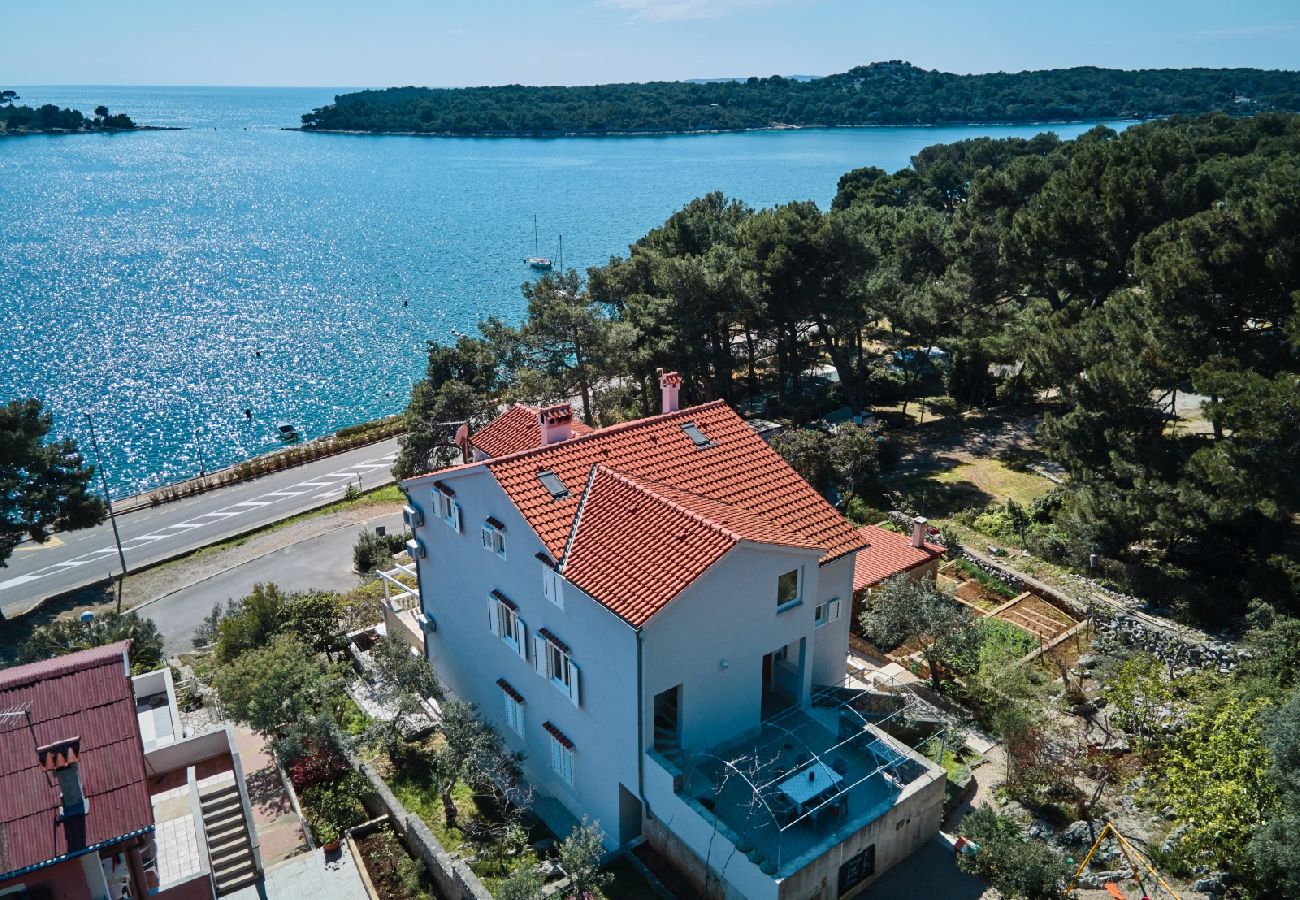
[
  {"x": 929, "y": 872},
  {"x": 278, "y": 830},
  {"x": 311, "y": 876}
]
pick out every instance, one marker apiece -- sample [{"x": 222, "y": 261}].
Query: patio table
[{"x": 809, "y": 784}]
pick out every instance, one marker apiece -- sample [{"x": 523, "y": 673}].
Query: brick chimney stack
[
  {"x": 671, "y": 385},
  {"x": 556, "y": 423},
  {"x": 62, "y": 759},
  {"x": 918, "y": 531}
]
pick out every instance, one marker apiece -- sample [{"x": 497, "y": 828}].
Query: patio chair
[{"x": 783, "y": 810}]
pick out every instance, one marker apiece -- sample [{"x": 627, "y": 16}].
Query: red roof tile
[
  {"x": 86, "y": 695},
  {"x": 514, "y": 431},
  {"x": 887, "y": 554},
  {"x": 637, "y": 546},
  {"x": 736, "y": 488}
]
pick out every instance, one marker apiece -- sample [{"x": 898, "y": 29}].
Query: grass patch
[
  {"x": 990, "y": 583},
  {"x": 389, "y": 493},
  {"x": 995, "y": 480}
]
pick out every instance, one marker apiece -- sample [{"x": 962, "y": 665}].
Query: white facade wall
[
  {"x": 712, "y": 638},
  {"x": 831, "y": 649},
  {"x": 728, "y": 614},
  {"x": 456, "y": 578}
]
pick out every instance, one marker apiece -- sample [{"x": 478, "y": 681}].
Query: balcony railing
[{"x": 400, "y": 588}]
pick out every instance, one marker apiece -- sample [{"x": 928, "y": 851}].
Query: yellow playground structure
[{"x": 1147, "y": 878}]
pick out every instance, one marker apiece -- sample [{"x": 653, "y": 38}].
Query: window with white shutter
[
  {"x": 552, "y": 661},
  {"x": 504, "y": 622},
  {"x": 562, "y": 760},
  {"x": 493, "y": 538},
  {"x": 514, "y": 712},
  {"x": 448, "y": 509},
  {"x": 827, "y": 612},
  {"x": 552, "y": 586}
]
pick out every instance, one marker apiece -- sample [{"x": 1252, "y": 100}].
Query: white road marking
[{"x": 353, "y": 472}]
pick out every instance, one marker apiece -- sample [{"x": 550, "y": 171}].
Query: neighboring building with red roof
[
  {"x": 888, "y": 553},
  {"x": 652, "y": 590},
  {"x": 79, "y": 784},
  {"x": 518, "y": 428}
]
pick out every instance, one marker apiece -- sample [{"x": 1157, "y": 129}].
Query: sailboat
[{"x": 542, "y": 263}]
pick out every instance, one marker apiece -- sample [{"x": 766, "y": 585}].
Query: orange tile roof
[
  {"x": 887, "y": 554},
  {"x": 637, "y": 546},
  {"x": 514, "y": 431},
  {"x": 737, "y": 488}
]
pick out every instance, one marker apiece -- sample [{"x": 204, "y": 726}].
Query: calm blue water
[{"x": 141, "y": 274}]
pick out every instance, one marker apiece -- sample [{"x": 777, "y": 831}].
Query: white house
[{"x": 656, "y": 613}]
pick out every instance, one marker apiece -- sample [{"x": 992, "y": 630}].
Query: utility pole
[
  {"x": 198, "y": 445},
  {"x": 103, "y": 483}
]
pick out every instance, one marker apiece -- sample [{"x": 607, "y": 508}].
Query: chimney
[
  {"x": 671, "y": 384},
  {"x": 556, "y": 423},
  {"x": 61, "y": 758},
  {"x": 918, "y": 531}
]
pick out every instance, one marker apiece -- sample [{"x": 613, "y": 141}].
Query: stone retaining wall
[
  {"x": 1117, "y": 617},
  {"x": 452, "y": 876}
]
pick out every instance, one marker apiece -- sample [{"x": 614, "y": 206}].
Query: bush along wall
[{"x": 342, "y": 441}]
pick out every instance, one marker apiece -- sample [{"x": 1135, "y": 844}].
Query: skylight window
[
  {"x": 696, "y": 435},
  {"x": 552, "y": 483}
]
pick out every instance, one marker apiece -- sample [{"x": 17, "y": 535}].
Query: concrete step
[
  {"x": 229, "y": 852},
  {"x": 225, "y": 833},
  {"x": 223, "y": 801},
  {"x": 234, "y": 879}
]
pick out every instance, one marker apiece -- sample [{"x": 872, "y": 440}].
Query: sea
[{"x": 164, "y": 282}]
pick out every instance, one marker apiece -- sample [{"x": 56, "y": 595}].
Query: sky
[{"x": 441, "y": 43}]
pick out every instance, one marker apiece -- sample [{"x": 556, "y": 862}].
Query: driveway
[{"x": 323, "y": 562}]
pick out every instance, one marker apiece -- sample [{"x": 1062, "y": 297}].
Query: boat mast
[
  {"x": 534, "y": 234},
  {"x": 561, "y": 254}
]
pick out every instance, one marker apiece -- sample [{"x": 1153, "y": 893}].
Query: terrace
[{"x": 807, "y": 778}]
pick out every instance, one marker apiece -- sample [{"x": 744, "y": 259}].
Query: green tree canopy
[
  {"x": 44, "y": 485},
  {"x": 69, "y": 635}
]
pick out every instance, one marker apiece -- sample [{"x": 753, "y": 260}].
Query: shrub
[
  {"x": 1006, "y": 861},
  {"x": 334, "y": 807},
  {"x": 371, "y": 551},
  {"x": 320, "y": 763}
]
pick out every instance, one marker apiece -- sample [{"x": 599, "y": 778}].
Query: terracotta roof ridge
[
  {"x": 726, "y": 531},
  {"x": 56, "y": 666},
  {"x": 577, "y": 517},
  {"x": 659, "y": 488},
  {"x": 618, "y": 428}
]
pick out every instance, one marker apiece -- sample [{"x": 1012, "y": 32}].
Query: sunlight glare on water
[{"x": 165, "y": 281}]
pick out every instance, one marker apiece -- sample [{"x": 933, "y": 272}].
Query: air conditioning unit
[
  {"x": 413, "y": 516},
  {"x": 417, "y": 549}
]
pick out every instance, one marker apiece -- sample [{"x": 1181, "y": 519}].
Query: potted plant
[{"x": 330, "y": 838}]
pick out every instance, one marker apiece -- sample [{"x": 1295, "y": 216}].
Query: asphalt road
[
  {"x": 69, "y": 561},
  {"x": 320, "y": 563}
]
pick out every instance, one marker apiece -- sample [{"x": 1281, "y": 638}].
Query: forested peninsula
[
  {"x": 883, "y": 93},
  {"x": 50, "y": 119}
]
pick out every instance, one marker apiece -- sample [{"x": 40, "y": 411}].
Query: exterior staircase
[{"x": 229, "y": 848}]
